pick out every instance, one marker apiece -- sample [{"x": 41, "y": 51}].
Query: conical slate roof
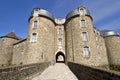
[{"x": 11, "y": 35}]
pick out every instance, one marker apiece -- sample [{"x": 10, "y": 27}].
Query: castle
[{"x": 73, "y": 39}]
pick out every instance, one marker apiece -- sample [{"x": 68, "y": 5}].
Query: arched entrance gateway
[{"x": 60, "y": 57}]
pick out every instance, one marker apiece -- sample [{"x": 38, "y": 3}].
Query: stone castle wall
[
  {"x": 57, "y": 36},
  {"x": 75, "y": 44},
  {"x": 6, "y": 50},
  {"x": 113, "y": 49},
  {"x": 23, "y": 72},
  {"x": 84, "y": 72},
  {"x": 18, "y": 57},
  {"x": 102, "y": 51},
  {"x": 43, "y": 48}
]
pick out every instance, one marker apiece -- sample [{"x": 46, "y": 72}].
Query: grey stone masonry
[
  {"x": 92, "y": 73},
  {"x": 22, "y": 72}
]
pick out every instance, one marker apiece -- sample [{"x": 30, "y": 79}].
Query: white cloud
[
  {"x": 103, "y": 9},
  {"x": 113, "y": 25},
  {"x": 100, "y": 10}
]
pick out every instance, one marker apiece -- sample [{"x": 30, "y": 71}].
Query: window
[
  {"x": 84, "y": 36},
  {"x": 36, "y": 11},
  {"x": 60, "y": 31},
  {"x": 60, "y": 41},
  {"x": 35, "y": 24},
  {"x": 81, "y": 11},
  {"x": 82, "y": 23},
  {"x": 34, "y": 37},
  {"x": 96, "y": 38},
  {"x": 86, "y": 52}
]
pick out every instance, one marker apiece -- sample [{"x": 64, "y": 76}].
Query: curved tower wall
[
  {"x": 6, "y": 50},
  {"x": 112, "y": 41},
  {"x": 42, "y": 48},
  {"x": 74, "y": 40}
]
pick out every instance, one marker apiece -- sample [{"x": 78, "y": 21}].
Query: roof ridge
[{"x": 12, "y": 35}]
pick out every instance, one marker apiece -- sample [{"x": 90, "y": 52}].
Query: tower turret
[
  {"x": 81, "y": 43},
  {"x": 6, "y": 48},
  {"x": 40, "y": 41},
  {"x": 112, "y": 41}
]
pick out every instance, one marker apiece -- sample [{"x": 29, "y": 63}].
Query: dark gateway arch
[{"x": 60, "y": 57}]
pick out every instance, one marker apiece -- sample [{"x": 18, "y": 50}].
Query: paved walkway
[{"x": 59, "y": 71}]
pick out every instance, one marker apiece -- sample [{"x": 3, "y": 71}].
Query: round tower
[
  {"x": 81, "y": 44},
  {"x": 112, "y": 41},
  {"x": 6, "y": 48},
  {"x": 40, "y": 40}
]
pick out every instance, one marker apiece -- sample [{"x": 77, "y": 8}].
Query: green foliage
[
  {"x": 115, "y": 67},
  {"x": 104, "y": 66}
]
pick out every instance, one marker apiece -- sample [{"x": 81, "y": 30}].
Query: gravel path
[{"x": 59, "y": 71}]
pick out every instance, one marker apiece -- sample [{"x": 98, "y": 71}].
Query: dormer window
[
  {"x": 81, "y": 11},
  {"x": 36, "y": 9},
  {"x": 35, "y": 24},
  {"x": 36, "y": 12}
]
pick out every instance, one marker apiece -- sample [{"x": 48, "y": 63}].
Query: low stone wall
[
  {"x": 89, "y": 73},
  {"x": 21, "y": 72}
]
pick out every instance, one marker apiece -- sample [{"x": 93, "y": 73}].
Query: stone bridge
[
  {"x": 44, "y": 71},
  {"x": 22, "y": 72}
]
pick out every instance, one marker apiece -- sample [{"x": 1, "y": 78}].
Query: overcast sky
[{"x": 14, "y": 14}]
